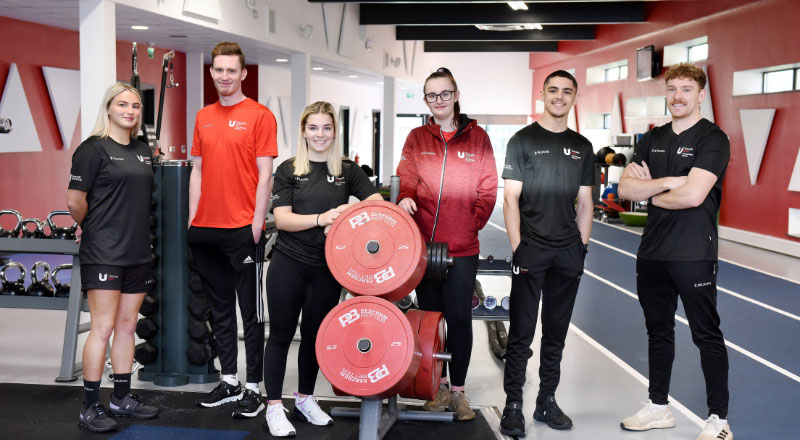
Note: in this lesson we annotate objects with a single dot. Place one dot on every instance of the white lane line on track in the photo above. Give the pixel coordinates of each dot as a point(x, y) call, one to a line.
point(682, 320)
point(673, 402)
point(728, 291)
point(754, 269)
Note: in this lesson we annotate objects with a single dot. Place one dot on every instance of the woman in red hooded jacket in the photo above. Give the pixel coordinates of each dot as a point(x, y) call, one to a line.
point(448, 183)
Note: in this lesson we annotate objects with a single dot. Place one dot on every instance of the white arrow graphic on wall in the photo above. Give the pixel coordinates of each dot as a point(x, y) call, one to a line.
point(64, 86)
point(794, 184)
point(756, 124)
point(14, 106)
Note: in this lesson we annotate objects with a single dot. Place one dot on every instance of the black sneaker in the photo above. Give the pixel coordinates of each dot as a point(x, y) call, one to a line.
point(96, 419)
point(547, 411)
point(513, 422)
point(223, 393)
point(131, 406)
point(250, 404)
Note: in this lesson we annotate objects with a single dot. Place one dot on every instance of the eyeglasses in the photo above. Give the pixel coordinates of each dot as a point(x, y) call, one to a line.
point(446, 95)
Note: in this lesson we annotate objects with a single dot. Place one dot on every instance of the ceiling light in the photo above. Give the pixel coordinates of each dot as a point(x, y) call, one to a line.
point(317, 68)
point(139, 28)
point(517, 6)
point(281, 60)
point(352, 76)
point(509, 27)
point(380, 83)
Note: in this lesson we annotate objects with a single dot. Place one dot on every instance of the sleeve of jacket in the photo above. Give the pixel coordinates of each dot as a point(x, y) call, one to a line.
point(487, 185)
point(407, 170)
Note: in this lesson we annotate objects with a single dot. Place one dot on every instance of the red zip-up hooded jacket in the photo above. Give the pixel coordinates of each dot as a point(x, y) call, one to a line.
point(458, 177)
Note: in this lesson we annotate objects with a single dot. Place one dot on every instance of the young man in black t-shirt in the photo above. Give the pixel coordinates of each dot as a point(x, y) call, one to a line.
point(547, 167)
point(679, 169)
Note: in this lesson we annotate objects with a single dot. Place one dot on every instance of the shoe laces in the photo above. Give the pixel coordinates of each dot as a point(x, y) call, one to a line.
point(713, 425)
point(648, 407)
point(459, 395)
point(272, 409)
point(100, 410)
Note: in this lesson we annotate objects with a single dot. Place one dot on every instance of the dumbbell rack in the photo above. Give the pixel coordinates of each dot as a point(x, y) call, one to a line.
point(73, 304)
point(374, 423)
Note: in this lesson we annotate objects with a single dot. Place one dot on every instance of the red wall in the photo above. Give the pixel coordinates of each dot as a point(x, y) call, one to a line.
point(750, 35)
point(36, 183)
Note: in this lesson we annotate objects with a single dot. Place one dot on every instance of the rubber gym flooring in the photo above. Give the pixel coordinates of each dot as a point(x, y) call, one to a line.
point(604, 371)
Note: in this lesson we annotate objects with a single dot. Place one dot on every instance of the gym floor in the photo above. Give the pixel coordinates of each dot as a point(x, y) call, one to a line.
point(604, 370)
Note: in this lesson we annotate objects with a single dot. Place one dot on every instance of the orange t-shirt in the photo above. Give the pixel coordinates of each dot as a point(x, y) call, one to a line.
point(447, 135)
point(229, 138)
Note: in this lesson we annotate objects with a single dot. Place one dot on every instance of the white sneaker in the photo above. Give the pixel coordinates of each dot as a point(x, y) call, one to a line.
point(716, 429)
point(651, 416)
point(276, 422)
point(306, 408)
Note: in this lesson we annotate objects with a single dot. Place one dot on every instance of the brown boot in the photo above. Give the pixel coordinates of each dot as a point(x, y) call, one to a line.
point(442, 400)
point(459, 404)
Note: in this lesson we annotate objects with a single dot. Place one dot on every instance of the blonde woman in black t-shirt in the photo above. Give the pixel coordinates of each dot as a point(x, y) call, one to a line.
point(310, 192)
point(109, 196)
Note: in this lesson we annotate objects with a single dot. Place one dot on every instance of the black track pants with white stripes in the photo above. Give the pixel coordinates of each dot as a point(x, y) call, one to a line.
point(293, 287)
point(231, 265)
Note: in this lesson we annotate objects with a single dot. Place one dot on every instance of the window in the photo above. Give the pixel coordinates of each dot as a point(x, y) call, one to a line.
point(607, 72)
point(606, 121)
point(779, 81)
point(698, 52)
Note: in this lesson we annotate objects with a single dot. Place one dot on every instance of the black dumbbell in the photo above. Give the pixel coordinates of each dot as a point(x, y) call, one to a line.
point(62, 289)
point(41, 287)
point(199, 330)
point(199, 354)
point(145, 353)
point(198, 307)
point(149, 305)
point(195, 283)
point(13, 287)
point(146, 328)
point(11, 233)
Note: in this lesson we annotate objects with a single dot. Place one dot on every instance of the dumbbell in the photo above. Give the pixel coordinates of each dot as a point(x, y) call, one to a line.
point(62, 289)
point(199, 354)
point(149, 305)
point(61, 233)
point(199, 330)
point(198, 307)
point(146, 328)
point(36, 232)
point(13, 287)
point(11, 233)
point(145, 353)
point(40, 287)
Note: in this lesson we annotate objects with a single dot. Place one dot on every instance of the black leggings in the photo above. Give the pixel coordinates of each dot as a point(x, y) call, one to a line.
point(453, 297)
point(293, 286)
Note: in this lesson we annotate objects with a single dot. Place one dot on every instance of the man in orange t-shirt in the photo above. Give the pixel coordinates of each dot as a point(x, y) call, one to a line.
point(233, 147)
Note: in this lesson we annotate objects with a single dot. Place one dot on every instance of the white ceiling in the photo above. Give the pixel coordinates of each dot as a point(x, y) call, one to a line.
point(168, 33)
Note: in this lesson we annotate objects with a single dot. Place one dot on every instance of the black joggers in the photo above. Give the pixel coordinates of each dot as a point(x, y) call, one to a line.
point(659, 284)
point(231, 265)
point(293, 287)
point(453, 297)
point(554, 276)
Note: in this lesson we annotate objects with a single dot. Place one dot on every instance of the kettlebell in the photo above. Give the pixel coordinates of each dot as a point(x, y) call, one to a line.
point(62, 290)
point(36, 232)
point(11, 233)
point(61, 233)
point(13, 287)
point(40, 287)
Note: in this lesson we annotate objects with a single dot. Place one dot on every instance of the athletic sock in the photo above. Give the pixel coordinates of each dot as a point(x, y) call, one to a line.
point(230, 379)
point(122, 385)
point(91, 391)
point(252, 386)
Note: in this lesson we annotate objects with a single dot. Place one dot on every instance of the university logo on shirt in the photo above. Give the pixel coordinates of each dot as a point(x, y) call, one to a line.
point(338, 181)
point(574, 154)
point(685, 151)
point(468, 157)
point(237, 125)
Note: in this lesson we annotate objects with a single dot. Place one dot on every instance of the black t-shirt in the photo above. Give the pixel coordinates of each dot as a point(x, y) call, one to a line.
point(118, 181)
point(315, 193)
point(552, 167)
point(684, 234)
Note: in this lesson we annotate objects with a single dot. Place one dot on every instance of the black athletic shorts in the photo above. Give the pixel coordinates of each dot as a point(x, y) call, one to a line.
point(126, 279)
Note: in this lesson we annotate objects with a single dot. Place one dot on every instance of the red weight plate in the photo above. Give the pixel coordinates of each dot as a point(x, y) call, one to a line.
point(374, 248)
point(366, 348)
point(431, 332)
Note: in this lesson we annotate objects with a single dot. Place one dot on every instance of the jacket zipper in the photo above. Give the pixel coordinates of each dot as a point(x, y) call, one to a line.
point(441, 186)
